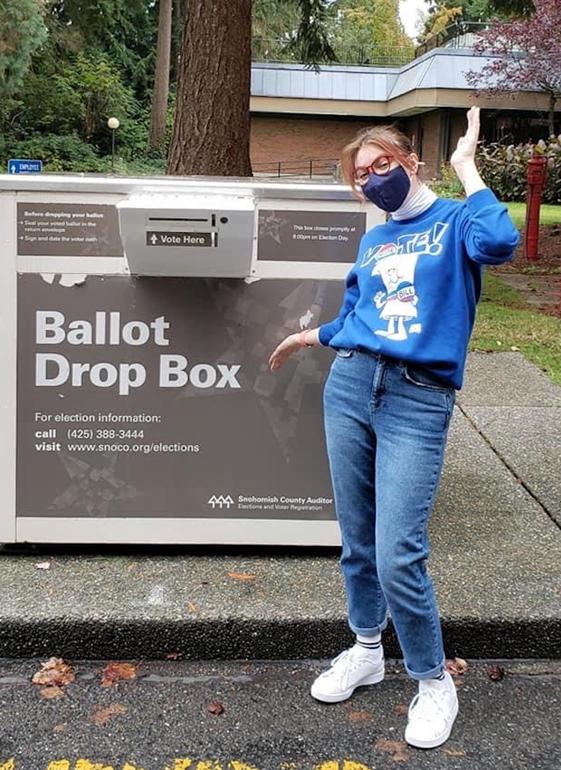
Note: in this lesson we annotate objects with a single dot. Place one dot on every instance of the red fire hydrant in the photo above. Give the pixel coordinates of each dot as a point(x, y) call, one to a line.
point(537, 170)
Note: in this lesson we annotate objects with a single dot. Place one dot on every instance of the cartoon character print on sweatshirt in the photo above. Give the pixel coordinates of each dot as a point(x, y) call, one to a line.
point(395, 263)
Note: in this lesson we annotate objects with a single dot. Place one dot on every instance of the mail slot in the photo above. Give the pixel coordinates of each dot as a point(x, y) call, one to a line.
point(188, 235)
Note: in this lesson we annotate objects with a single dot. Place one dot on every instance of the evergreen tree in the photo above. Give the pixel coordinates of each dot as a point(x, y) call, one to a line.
point(22, 31)
point(274, 29)
point(123, 30)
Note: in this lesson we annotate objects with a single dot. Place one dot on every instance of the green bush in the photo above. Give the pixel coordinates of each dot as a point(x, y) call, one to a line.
point(58, 153)
point(140, 167)
point(448, 186)
point(504, 168)
point(150, 165)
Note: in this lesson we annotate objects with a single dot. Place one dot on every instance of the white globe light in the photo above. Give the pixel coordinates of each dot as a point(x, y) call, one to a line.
point(113, 123)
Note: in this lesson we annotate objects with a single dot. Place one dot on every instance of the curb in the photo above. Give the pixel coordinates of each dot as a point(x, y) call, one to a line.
point(245, 639)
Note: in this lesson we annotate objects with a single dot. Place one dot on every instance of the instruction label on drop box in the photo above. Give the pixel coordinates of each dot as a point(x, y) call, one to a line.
point(68, 230)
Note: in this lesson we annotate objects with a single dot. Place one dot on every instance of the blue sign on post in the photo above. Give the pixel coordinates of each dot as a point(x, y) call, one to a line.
point(25, 166)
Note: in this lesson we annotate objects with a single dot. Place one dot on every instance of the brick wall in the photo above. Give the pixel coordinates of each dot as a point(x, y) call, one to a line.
point(280, 138)
point(275, 138)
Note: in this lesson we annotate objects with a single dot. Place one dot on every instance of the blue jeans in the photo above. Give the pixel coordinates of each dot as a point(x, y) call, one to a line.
point(386, 424)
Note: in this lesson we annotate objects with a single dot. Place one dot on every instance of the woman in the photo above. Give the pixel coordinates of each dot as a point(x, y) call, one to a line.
point(401, 341)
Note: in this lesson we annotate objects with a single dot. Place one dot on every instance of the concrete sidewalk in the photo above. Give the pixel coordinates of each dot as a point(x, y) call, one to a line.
point(496, 560)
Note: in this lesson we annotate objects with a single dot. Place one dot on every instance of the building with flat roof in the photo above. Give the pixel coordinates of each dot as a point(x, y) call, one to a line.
point(299, 113)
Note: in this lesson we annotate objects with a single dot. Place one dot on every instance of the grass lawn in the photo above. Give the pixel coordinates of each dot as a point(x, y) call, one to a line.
point(549, 214)
point(505, 321)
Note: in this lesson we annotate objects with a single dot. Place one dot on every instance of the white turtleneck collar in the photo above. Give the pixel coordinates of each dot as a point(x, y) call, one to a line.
point(421, 201)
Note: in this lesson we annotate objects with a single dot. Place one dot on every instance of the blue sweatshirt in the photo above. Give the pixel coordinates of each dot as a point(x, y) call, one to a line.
point(412, 292)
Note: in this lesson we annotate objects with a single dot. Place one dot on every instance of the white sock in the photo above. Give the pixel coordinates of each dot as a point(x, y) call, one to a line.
point(436, 681)
point(370, 646)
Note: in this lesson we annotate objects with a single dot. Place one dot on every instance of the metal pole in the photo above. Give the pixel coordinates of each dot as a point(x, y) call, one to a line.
point(311, 164)
point(536, 175)
point(113, 149)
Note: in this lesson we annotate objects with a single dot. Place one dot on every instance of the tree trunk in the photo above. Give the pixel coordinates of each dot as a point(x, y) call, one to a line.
point(161, 81)
point(176, 28)
point(211, 127)
point(551, 114)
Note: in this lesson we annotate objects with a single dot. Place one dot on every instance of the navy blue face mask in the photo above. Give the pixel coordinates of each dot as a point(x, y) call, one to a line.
point(388, 191)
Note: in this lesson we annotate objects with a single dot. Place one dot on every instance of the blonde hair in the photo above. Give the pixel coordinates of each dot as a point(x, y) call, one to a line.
point(388, 138)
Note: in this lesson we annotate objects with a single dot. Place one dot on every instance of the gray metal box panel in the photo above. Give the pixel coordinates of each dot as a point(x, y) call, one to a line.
point(191, 234)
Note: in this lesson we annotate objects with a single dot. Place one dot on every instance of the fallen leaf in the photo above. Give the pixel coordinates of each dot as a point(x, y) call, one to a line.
point(401, 710)
point(455, 753)
point(457, 666)
point(360, 716)
point(54, 672)
point(102, 716)
point(496, 673)
point(214, 707)
point(132, 565)
point(241, 576)
point(115, 672)
point(173, 655)
point(191, 607)
point(52, 692)
point(59, 728)
point(395, 748)
point(43, 565)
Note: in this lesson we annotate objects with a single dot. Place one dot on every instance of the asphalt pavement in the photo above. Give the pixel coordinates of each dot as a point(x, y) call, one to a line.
point(177, 715)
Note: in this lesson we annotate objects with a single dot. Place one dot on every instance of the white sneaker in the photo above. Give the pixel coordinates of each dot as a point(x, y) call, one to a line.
point(351, 669)
point(432, 713)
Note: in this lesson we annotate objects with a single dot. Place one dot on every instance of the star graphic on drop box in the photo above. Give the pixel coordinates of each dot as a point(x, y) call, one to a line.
point(270, 225)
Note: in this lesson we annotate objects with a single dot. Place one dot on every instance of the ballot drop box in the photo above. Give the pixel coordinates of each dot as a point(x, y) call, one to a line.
point(137, 317)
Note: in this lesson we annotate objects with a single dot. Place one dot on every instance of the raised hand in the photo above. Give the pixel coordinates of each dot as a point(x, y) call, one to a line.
point(467, 144)
point(463, 157)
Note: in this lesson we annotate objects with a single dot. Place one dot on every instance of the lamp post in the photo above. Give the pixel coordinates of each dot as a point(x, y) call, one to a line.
point(113, 124)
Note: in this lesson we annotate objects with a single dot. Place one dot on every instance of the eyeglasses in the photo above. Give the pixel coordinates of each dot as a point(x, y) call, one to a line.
point(380, 167)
